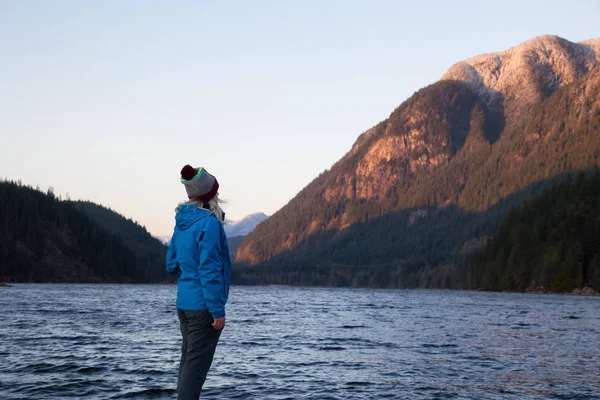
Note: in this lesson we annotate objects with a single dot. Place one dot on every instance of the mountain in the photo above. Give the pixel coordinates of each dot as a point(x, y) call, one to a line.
point(441, 172)
point(43, 239)
point(234, 242)
point(245, 225)
point(149, 251)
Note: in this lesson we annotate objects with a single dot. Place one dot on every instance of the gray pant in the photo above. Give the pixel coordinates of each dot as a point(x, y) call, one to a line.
point(197, 350)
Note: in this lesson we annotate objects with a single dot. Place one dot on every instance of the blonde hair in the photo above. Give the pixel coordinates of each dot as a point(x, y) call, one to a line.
point(214, 206)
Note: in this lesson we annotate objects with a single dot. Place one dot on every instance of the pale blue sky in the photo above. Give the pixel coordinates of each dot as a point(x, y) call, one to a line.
point(107, 100)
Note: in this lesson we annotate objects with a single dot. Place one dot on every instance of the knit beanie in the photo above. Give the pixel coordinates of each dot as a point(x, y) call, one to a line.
point(199, 184)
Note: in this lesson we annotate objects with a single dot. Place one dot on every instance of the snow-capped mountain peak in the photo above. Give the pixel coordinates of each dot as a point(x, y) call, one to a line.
point(233, 228)
point(245, 225)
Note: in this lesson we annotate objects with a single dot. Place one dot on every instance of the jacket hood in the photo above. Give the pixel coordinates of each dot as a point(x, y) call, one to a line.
point(188, 214)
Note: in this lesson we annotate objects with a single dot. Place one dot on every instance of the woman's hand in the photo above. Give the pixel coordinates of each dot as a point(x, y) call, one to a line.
point(218, 323)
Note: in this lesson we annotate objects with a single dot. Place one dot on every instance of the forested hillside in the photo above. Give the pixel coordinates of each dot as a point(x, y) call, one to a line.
point(550, 244)
point(44, 239)
point(148, 250)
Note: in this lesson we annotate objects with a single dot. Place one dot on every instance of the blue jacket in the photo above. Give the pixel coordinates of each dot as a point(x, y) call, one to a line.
point(198, 256)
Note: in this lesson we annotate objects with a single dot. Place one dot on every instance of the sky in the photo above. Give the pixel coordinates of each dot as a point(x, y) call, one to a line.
point(107, 100)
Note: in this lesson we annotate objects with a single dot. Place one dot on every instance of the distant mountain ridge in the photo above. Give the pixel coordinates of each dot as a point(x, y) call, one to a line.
point(245, 225)
point(236, 231)
point(232, 229)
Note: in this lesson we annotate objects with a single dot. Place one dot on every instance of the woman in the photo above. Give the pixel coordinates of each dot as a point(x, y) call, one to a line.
point(198, 256)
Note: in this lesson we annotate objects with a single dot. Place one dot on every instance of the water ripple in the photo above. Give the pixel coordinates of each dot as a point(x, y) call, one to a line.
point(122, 342)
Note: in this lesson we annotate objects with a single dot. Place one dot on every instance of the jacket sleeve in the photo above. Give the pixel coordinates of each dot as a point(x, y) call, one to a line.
point(171, 260)
point(211, 268)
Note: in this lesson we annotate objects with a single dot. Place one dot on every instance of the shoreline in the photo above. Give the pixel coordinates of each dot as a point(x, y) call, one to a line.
point(585, 291)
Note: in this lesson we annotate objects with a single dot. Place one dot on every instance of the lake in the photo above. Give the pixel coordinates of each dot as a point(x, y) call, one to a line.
point(122, 341)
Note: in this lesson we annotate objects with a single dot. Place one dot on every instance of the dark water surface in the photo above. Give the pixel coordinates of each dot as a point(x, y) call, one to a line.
point(122, 341)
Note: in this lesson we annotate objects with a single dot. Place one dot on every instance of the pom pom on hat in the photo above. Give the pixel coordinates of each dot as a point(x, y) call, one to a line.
point(188, 172)
point(199, 184)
